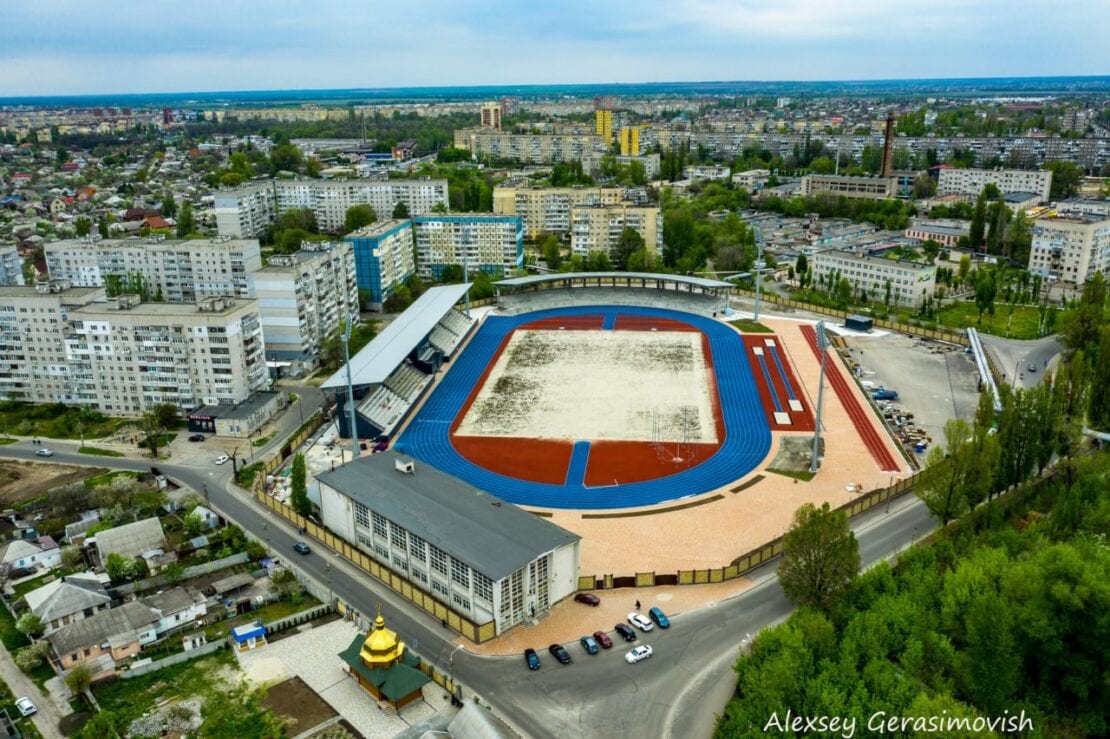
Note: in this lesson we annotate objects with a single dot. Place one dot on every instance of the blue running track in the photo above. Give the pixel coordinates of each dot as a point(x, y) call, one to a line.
point(747, 434)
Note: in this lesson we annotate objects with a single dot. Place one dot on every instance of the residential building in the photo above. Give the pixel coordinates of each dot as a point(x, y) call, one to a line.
point(547, 209)
point(489, 242)
point(599, 227)
point(303, 297)
point(483, 558)
point(530, 148)
point(20, 554)
point(68, 600)
point(171, 270)
point(131, 539)
point(752, 179)
point(176, 608)
point(11, 265)
point(603, 123)
point(707, 172)
point(946, 233)
point(630, 141)
point(1084, 206)
point(491, 116)
point(972, 181)
point(120, 632)
point(384, 258)
point(876, 188)
point(240, 421)
point(1070, 248)
point(246, 212)
point(910, 282)
point(125, 357)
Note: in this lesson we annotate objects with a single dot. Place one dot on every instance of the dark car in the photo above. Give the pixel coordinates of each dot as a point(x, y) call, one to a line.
point(559, 653)
point(625, 631)
point(659, 618)
point(531, 659)
point(588, 598)
point(603, 639)
point(301, 548)
point(589, 644)
point(197, 437)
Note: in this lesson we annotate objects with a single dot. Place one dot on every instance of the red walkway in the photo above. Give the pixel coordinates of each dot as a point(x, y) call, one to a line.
point(856, 412)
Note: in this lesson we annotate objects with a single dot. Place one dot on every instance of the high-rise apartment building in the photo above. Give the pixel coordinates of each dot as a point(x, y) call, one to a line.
point(955, 181)
point(630, 141)
point(547, 209)
point(491, 115)
point(245, 212)
point(169, 270)
point(11, 265)
point(491, 243)
point(603, 124)
point(599, 227)
point(304, 297)
point(530, 148)
point(1071, 248)
point(384, 258)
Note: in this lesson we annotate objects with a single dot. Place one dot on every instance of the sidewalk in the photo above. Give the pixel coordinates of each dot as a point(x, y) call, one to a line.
point(47, 718)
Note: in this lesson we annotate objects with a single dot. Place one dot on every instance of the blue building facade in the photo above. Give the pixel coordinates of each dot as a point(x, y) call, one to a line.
point(383, 258)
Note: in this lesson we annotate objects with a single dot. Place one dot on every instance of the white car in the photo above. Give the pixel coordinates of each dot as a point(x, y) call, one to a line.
point(222, 459)
point(45, 452)
point(25, 706)
point(637, 654)
point(640, 622)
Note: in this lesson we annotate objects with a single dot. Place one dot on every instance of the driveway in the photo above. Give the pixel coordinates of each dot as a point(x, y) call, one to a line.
point(48, 716)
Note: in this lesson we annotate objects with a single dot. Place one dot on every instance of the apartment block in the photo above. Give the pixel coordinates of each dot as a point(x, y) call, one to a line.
point(384, 258)
point(11, 265)
point(955, 181)
point(591, 162)
point(302, 298)
point(529, 148)
point(603, 124)
point(491, 243)
point(246, 212)
point(910, 282)
point(547, 209)
point(491, 115)
point(1071, 248)
point(875, 188)
point(172, 270)
point(630, 141)
point(599, 227)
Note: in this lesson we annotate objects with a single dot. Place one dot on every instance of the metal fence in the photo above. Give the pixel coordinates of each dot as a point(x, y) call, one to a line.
point(174, 660)
point(297, 619)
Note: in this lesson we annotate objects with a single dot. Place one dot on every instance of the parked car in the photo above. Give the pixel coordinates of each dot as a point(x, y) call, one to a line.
point(637, 654)
point(1032, 367)
point(659, 617)
point(640, 622)
point(45, 452)
point(589, 644)
point(588, 598)
point(25, 706)
point(531, 659)
point(559, 653)
point(625, 631)
point(222, 459)
point(197, 437)
point(603, 639)
point(301, 548)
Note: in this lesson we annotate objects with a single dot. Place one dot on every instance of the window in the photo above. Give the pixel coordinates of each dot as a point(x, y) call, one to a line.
point(461, 601)
point(440, 588)
point(483, 587)
point(418, 548)
point(460, 573)
point(380, 526)
point(382, 552)
point(397, 536)
point(362, 515)
point(420, 576)
point(439, 560)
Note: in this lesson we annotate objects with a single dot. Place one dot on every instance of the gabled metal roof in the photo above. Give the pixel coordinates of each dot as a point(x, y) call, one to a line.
point(555, 276)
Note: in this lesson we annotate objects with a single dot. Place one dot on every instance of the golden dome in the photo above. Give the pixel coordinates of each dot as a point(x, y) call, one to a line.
point(382, 647)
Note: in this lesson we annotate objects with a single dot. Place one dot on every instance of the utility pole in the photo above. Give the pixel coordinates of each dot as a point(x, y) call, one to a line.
point(758, 270)
point(350, 387)
point(822, 344)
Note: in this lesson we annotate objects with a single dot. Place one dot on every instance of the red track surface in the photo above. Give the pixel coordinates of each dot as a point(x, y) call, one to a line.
point(624, 462)
point(570, 323)
point(647, 323)
point(535, 460)
point(799, 420)
point(879, 451)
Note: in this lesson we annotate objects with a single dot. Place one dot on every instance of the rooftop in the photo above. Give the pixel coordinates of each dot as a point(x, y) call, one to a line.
point(558, 276)
point(379, 228)
point(242, 411)
point(117, 625)
point(69, 595)
point(491, 536)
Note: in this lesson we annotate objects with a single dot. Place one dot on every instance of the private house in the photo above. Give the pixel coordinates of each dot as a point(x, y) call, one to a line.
point(30, 554)
point(67, 601)
point(177, 608)
point(208, 519)
point(120, 632)
point(131, 539)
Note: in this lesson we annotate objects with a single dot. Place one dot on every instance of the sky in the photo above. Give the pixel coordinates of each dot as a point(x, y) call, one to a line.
point(64, 47)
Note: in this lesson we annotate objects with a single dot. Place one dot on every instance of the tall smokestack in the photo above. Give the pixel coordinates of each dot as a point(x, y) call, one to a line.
point(888, 147)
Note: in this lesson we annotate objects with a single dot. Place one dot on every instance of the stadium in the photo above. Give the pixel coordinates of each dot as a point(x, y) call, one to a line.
point(623, 407)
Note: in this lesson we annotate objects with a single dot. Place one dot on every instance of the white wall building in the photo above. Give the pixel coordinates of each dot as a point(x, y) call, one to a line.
point(11, 265)
point(955, 181)
point(484, 559)
point(485, 241)
point(1070, 249)
point(910, 282)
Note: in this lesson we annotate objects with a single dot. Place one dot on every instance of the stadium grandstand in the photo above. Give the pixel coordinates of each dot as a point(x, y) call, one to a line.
point(556, 290)
point(397, 367)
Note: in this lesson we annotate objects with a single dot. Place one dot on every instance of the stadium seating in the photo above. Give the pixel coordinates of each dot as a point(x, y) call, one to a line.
point(450, 331)
point(407, 382)
point(383, 408)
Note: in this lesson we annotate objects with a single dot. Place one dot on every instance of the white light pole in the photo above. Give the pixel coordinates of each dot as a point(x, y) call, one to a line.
point(350, 386)
point(758, 269)
point(822, 344)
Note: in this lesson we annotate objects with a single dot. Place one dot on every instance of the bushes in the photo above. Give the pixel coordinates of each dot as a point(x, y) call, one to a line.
point(56, 421)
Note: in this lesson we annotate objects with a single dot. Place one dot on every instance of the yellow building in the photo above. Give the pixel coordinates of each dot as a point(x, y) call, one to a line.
point(383, 668)
point(630, 141)
point(603, 124)
point(599, 227)
point(548, 208)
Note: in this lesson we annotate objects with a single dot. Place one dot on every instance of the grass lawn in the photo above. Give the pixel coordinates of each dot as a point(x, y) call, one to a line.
point(7, 440)
point(750, 327)
point(27, 586)
point(98, 452)
point(130, 699)
point(163, 441)
point(266, 614)
point(12, 638)
point(54, 421)
point(803, 475)
point(263, 441)
point(964, 314)
point(248, 473)
point(105, 478)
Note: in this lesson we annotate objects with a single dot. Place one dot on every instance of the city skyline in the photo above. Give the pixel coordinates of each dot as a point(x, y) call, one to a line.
point(68, 48)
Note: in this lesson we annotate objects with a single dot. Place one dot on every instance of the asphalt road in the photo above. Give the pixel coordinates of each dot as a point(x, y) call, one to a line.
point(675, 693)
point(1014, 355)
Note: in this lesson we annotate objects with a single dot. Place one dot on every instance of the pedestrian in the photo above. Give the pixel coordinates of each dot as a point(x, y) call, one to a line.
point(637, 605)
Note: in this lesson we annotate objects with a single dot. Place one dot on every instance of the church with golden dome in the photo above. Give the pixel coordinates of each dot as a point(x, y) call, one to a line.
point(382, 666)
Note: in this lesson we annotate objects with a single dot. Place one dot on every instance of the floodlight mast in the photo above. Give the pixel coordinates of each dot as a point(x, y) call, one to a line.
point(822, 345)
point(350, 385)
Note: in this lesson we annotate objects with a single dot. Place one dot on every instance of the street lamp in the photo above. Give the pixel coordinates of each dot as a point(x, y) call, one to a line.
point(350, 386)
point(327, 569)
point(822, 344)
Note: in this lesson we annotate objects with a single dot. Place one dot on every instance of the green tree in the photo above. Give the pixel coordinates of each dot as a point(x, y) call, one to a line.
point(400, 210)
point(286, 158)
point(986, 289)
point(255, 550)
point(979, 221)
point(118, 567)
point(193, 524)
point(1099, 411)
point(152, 428)
point(79, 678)
point(924, 186)
point(169, 205)
point(103, 725)
point(959, 476)
point(29, 624)
point(820, 557)
point(30, 657)
point(1082, 324)
point(628, 243)
point(358, 216)
point(548, 246)
point(299, 487)
point(185, 221)
point(1066, 176)
point(83, 226)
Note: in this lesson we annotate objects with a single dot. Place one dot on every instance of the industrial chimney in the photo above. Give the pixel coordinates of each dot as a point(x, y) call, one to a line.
point(888, 147)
